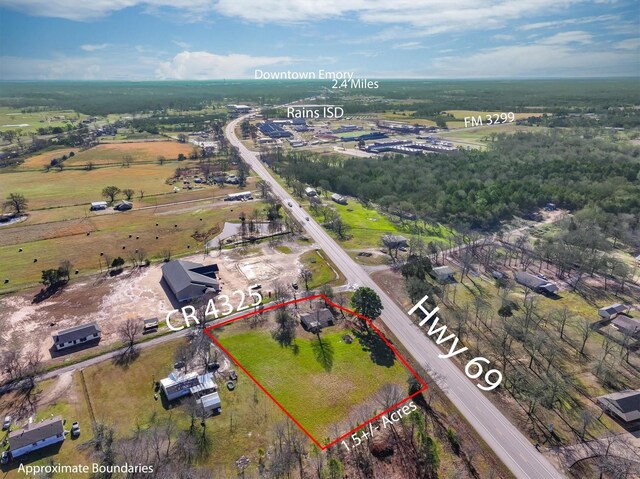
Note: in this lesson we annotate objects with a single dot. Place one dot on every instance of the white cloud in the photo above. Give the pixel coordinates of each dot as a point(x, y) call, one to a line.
point(628, 44)
point(537, 60)
point(408, 46)
point(569, 21)
point(184, 45)
point(88, 47)
point(204, 65)
point(564, 38)
point(501, 37)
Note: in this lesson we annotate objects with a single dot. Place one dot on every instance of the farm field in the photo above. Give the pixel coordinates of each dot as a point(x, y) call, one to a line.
point(112, 153)
point(322, 270)
point(477, 136)
point(81, 241)
point(460, 114)
point(320, 385)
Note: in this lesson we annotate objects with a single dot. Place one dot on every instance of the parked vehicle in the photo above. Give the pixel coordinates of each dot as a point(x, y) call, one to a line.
point(75, 429)
point(5, 457)
point(7, 423)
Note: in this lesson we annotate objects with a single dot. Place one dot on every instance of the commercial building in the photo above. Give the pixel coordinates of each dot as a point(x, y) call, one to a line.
point(35, 436)
point(189, 280)
point(273, 130)
point(77, 335)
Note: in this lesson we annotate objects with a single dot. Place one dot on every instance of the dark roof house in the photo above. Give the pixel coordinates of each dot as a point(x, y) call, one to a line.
point(609, 312)
point(627, 326)
point(539, 285)
point(190, 280)
point(320, 318)
point(76, 335)
point(442, 273)
point(624, 405)
point(36, 436)
point(395, 241)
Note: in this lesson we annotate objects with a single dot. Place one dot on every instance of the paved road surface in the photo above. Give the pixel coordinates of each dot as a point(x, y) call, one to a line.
point(517, 453)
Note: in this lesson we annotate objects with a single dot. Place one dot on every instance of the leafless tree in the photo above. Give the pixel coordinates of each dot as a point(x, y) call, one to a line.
point(128, 333)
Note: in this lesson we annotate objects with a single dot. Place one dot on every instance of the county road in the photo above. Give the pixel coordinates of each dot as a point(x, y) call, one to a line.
point(515, 451)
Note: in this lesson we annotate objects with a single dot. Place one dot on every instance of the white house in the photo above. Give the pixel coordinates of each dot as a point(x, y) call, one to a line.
point(35, 436)
point(177, 385)
point(74, 336)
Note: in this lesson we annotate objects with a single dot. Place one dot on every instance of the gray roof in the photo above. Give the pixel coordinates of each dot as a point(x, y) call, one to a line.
point(210, 401)
point(178, 382)
point(394, 240)
point(77, 332)
point(320, 317)
point(35, 432)
point(180, 275)
point(613, 309)
point(533, 282)
point(627, 325)
point(442, 271)
point(624, 404)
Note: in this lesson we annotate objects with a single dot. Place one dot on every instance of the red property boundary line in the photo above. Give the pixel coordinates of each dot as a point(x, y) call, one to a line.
point(371, 325)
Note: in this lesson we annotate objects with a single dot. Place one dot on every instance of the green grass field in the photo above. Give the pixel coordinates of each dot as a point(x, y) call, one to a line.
point(28, 123)
point(321, 269)
point(319, 391)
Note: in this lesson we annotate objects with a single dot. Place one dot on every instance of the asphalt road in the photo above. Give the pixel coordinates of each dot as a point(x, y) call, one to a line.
point(515, 451)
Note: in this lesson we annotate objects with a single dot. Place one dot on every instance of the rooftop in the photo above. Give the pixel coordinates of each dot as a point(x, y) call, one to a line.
point(35, 432)
point(76, 332)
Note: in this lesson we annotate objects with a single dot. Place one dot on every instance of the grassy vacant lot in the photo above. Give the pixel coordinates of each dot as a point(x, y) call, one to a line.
point(113, 153)
point(478, 136)
point(319, 385)
point(323, 271)
point(27, 123)
point(367, 227)
point(460, 114)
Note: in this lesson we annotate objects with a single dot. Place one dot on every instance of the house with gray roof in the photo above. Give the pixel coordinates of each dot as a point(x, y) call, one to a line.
point(443, 274)
point(622, 405)
point(210, 404)
point(318, 319)
point(77, 335)
point(610, 312)
point(35, 435)
point(189, 280)
point(627, 326)
point(395, 241)
point(537, 284)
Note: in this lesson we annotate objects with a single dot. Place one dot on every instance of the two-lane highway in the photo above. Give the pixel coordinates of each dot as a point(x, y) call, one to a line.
point(517, 453)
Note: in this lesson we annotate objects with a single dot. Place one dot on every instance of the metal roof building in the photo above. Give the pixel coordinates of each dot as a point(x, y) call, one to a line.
point(190, 280)
point(76, 335)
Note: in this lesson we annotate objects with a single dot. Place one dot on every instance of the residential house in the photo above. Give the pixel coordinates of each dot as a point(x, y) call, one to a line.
point(190, 280)
point(539, 285)
point(627, 326)
point(318, 319)
point(341, 200)
point(622, 405)
point(610, 312)
point(310, 191)
point(35, 436)
point(78, 335)
point(178, 384)
point(442, 274)
point(395, 241)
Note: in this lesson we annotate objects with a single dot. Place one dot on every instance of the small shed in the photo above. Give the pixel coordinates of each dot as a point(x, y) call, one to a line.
point(395, 241)
point(150, 324)
point(210, 404)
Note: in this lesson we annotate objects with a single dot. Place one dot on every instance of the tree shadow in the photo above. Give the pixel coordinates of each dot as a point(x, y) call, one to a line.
point(380, 353)
point(127, 357)
point(323, 351)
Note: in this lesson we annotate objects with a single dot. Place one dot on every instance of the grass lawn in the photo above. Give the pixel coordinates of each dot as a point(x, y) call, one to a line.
point(28, 123)
point(319, 386)
point(461, 114)
point(321, 269)
point(71, 406)
point(245, 425)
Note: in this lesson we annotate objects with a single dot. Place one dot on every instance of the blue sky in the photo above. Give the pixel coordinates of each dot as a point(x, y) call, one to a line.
point(211, 39)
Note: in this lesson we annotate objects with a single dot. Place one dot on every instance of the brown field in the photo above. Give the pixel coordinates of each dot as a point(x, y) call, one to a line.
point(112, 153)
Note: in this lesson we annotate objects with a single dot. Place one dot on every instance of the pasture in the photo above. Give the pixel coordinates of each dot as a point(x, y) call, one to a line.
point(320, 382)
point(12, 118)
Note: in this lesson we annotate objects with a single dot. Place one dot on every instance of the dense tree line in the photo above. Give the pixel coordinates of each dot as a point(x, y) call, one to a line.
point(516, 174)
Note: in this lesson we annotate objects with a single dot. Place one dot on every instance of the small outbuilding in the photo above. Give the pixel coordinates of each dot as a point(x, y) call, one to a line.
point(78, 335)
point(210, 404)
point(123, 206)
point(442, 274)
point(98, 205)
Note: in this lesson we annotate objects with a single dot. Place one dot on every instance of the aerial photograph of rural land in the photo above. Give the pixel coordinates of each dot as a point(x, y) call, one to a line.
point(287, 239)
